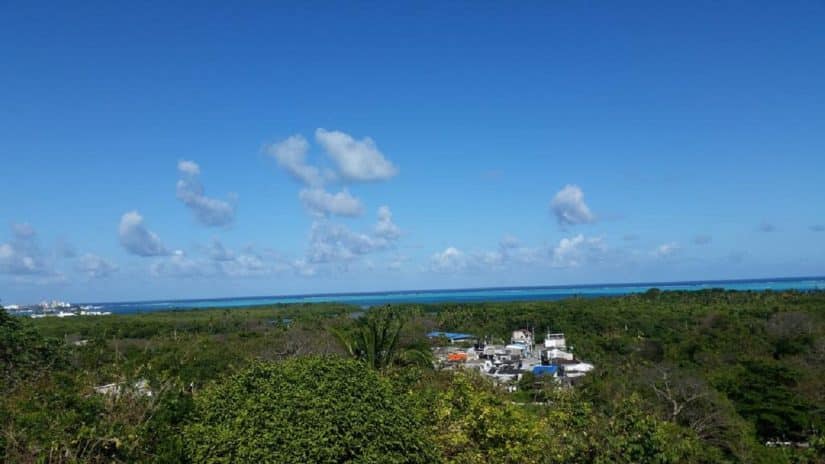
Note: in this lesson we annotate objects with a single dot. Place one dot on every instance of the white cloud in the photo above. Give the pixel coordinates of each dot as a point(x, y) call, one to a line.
point(330, 243)
point(208, 211)
point(397, 263)
point(137, 239)
point(570, 252)
point(385, 228)
point(291, 156)
point(666, 249)
point(569, 207)
point(323, 203)
point(251, 263)
point(23, 256)
point(246, 265)
point(357, 160)
point(304, 268)
point(450, 260)
point(189, 168)
point(180, 265)
point(574, 251)
point(217, 252)
point(94, 266)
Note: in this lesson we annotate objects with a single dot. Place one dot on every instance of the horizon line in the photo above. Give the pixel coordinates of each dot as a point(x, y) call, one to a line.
point(466, 289)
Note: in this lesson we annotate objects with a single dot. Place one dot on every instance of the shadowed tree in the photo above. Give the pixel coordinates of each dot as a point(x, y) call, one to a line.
point(376, 340)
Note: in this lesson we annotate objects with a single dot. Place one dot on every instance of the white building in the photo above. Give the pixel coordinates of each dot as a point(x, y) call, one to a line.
point(555, 340)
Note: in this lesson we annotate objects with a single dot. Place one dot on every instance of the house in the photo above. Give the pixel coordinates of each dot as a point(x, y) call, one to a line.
point(555, 340)
point(577, 370)
point(522, 336)
point(551, 370)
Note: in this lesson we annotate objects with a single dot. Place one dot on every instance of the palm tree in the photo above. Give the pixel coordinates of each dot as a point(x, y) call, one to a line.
point(375, 340)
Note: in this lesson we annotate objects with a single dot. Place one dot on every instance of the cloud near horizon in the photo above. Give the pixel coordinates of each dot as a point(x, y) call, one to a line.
point(94, 266)
point(666, 249)
point(568, 253)
point(23, 255)
point(575, 251)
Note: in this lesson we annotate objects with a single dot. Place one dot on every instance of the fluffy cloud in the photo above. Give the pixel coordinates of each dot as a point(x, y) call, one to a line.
point(385, 228)
point(208, 211)
point(249, 264)
point(357, 160)
point(702, 239)
point(22, 255)
point(180, 265)
point(189, 168)
point(573, 251)
point(666, 249)
point(352, 161)
point(323, 203)
point(291, 156)
point(569, 207)
point(450, 260)
point(137, 239)
point(330, 242)
point(94, 266)
point(570, 252)
point(222, 261)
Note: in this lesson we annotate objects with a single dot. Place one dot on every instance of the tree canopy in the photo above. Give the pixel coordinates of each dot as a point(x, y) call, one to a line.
point(315, 409)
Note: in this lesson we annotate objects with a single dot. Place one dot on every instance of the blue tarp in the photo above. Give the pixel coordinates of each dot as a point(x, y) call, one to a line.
point(453, 336)
point(545, 370)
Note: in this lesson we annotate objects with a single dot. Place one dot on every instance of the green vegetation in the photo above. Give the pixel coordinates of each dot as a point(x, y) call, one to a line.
point(681, 377)
point(314, 409)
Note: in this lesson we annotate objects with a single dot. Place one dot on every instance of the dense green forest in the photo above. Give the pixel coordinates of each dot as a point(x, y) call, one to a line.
point(709, 376)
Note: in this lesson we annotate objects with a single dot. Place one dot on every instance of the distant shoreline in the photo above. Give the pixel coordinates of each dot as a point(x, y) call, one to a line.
point(477, 294)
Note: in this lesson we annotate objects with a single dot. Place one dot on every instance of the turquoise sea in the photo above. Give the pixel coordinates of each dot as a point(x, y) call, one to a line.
point(469, 294)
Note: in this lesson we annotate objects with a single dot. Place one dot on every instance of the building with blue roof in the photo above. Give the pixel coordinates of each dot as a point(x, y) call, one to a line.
point(551, 370)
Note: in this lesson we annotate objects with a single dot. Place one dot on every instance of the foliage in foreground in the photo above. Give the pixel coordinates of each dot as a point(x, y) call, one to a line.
point(316, 409)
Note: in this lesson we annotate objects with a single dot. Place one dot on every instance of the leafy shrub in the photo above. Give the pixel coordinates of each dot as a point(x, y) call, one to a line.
point(315, 409)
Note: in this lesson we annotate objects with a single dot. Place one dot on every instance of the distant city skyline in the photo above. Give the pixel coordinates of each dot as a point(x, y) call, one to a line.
point(171, 152)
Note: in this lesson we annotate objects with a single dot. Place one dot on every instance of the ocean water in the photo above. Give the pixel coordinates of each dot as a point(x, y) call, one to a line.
point(548, 293)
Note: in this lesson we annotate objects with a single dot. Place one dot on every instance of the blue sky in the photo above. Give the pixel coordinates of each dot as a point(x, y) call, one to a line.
point(203, 150)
